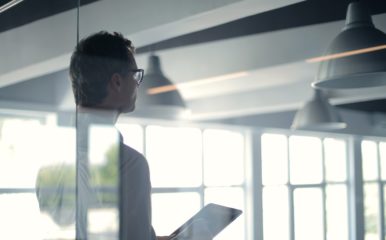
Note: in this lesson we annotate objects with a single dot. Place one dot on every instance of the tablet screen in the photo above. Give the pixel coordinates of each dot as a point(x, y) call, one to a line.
point(207, 223)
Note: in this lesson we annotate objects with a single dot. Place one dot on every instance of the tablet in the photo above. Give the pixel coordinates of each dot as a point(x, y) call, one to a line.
point(207, 223)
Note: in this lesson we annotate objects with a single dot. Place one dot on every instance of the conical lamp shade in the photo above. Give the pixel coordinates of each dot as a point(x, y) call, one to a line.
point(157, 95)
point(318, 114)
point(356, 58)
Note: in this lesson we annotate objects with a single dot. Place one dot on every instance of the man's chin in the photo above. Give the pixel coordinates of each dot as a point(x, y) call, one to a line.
point(127, 109)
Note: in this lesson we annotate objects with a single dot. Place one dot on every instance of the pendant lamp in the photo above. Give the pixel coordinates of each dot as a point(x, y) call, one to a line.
point(356, 58)
point(318, 114)
point(157, 95)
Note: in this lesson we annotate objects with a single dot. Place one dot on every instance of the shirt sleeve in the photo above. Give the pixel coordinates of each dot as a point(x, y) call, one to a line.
point(135, 200)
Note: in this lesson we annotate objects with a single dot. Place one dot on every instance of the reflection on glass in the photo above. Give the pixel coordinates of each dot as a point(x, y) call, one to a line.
point(103, 167)
point(382, 153)
point(20, 217)
point(275, 213)
point(101, 140)
point(132, 135)
point(369, 160)
point(274, 159)
point(230, 197)
point(335, 159)
point(305, 160)
point(337, 215)
point(55, 183)
point(177, 208)
point(223, 158)
point(20, 141)
point(308, 214)
point(175, 156)
point(42, 159)
point(103, 223)
point(371, 196)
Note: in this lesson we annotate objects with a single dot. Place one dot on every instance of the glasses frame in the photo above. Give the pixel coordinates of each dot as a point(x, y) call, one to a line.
point(135, 71)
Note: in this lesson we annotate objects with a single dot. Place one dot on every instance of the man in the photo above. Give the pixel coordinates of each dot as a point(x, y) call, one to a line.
point(105, 78)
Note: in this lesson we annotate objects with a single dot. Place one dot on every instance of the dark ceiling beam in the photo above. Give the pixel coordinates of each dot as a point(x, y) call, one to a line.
point(32, 10)
point(297, 15)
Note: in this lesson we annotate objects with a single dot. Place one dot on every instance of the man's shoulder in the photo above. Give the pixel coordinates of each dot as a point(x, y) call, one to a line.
point(131, 151)
point(131, 155)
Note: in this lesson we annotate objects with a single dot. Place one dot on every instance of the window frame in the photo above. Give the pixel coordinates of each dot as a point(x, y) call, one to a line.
point(292, 187)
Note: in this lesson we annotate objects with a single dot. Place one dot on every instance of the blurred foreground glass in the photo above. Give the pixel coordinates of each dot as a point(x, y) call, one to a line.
point(33, 153)
point(103, 156)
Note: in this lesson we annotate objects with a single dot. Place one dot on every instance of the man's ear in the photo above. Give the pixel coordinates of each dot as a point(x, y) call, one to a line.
point(115, 82)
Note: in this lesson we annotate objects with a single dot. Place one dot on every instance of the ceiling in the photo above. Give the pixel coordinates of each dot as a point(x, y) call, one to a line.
point(229, 58)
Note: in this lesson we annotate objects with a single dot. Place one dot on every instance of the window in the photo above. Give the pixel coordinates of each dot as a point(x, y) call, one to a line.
point(304, 187)
point(28, 147)
point(373, 170)
point(191, 167)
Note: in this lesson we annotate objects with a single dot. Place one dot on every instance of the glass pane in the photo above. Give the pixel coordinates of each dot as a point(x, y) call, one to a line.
point(223, 158)
point(371, 195)
point(335, 157)
point(275, 204)
point(305, 160)
point(337, 215)
point(231, 197)
point(55, 183)
point(102, 139)
point(308, 212)
point(132, 135)
point(20, 141)
point(103, 167)
point(103, 223)
point(384, 205)
point(369, 160)
point(175, 156)
point(20, 217)
point(382, 153)
point(44, 159)
point(177, 208)
point(274, 159)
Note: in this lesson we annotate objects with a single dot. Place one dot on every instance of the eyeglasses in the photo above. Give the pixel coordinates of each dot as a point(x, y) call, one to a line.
point(138, 75)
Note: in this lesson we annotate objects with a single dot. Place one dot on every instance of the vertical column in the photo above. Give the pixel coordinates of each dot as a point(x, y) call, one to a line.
point(291, 188)
point(356, 206)
point(381, 205)
point(254, 188)
point(82, 182)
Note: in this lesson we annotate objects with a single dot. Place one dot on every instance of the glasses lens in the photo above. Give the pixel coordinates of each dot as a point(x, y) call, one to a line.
point(138, 76)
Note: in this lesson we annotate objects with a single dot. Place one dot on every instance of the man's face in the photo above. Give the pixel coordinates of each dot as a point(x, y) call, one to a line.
point(128, 94)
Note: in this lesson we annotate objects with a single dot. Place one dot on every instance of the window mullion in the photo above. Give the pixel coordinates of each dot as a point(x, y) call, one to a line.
point(202, 186)
point(257, 186)
point(356, 198)
point(381, 196)
point(324, 184)
point(291, 213)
